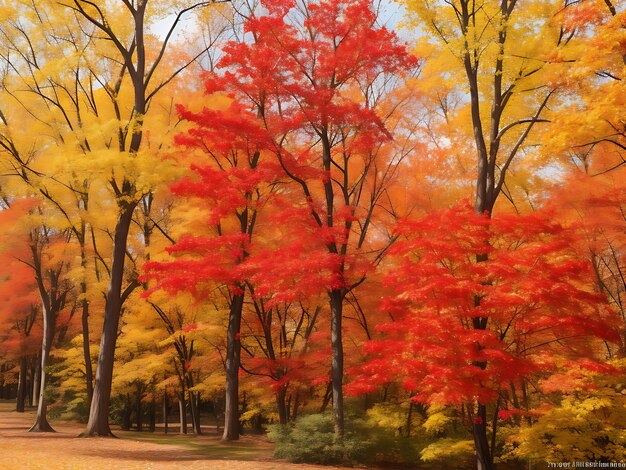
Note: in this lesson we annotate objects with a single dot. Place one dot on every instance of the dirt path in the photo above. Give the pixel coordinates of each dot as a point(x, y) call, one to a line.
point(21, 450)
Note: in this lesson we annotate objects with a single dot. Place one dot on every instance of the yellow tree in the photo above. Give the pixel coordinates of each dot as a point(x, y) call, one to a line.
point(505, 88)
point(96, 77)
point(125, 27)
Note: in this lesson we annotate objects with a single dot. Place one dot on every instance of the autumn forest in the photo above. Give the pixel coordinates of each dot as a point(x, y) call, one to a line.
point(368, 232)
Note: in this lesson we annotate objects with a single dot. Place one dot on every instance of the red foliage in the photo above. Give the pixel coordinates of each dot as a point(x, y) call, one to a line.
point(301, 72)
point(463, 329)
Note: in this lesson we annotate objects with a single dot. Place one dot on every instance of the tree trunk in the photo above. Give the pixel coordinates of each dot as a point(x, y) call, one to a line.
point(98, 424)
point(328, 394)
point(86, 348)
point(41, 421)
point(36, 382)
point(281, 405)
point(21, 386)
point(479, 429)
point(257, 424)
point(138, 409)
point(2, 386)
point(192, 411)
point(152, 416)
point(182, 412)
point(194, 398)
point(128, 411)
point(336, 373)
point(233, 352)
point(166, 410)
point(296, 406)
point(218, 409)
point(409, 419)
point(31, 382)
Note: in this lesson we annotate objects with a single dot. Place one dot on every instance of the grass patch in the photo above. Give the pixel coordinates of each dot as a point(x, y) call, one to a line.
point(208, 445)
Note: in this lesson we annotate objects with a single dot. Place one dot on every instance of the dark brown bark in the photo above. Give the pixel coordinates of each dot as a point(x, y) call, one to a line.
point(98, 424)
point(127, 413)
point(21, 386)
point(233, 357)
point(218, 410)
point(139, 408)
point(166, 411)
point(479, 430)
point(86, 346)
point(32, 370)
point(328, 394)
point(296, 407)
point(152, 415)
point(194, 400)
point(494, 427)
point(282, 405)
point(336, 372)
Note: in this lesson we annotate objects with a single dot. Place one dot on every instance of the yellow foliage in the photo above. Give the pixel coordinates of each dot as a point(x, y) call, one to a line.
point(437, 420)
point(448, 449)
point(388, 415)
point(585, 425)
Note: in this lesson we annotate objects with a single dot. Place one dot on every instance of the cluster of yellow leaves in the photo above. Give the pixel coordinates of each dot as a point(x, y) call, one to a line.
point(583, 425)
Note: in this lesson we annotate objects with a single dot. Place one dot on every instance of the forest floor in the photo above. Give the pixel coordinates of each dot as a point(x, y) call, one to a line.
point(20, 450)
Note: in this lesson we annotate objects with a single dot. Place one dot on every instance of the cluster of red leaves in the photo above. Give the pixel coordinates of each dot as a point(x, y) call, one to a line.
point(462, 329)
point(302, 72)
point(297, 82)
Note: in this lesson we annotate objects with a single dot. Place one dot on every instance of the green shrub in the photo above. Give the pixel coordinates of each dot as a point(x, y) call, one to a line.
point(311, 439)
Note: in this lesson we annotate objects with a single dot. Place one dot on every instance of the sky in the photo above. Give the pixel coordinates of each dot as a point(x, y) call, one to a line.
point(391, 15)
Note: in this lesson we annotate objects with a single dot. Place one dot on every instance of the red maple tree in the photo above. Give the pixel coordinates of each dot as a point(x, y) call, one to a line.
point(307, 90)
point(530, 293)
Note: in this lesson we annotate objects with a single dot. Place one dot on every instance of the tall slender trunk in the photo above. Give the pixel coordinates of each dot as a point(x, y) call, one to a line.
point(21, 386)
point(328, 394)
point(166, 410)
point(233, 353)
point(98, 424)
point(138, 408)
point(182, 412)
point(36, 381)
point(128, 411)
point(152, 415)
point(194, 399)
point(32, 370)
point(281, 405)
point(193, 412)
point(296, 405)
point(219, 413)
point(86, 347)
point(41, 421)
point(336, 373)
point(479, 430)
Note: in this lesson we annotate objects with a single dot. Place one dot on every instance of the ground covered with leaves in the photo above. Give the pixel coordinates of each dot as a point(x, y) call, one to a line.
point(64, 450)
